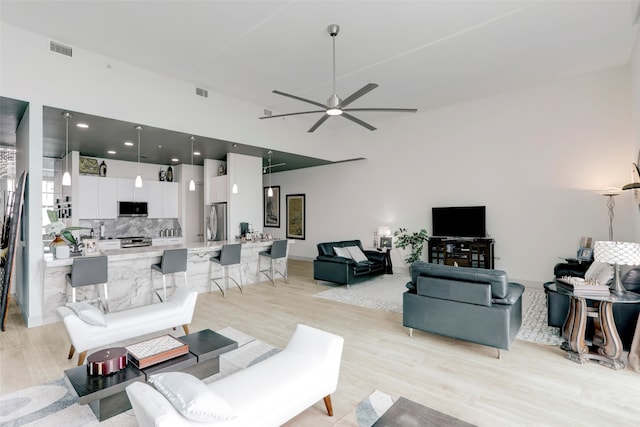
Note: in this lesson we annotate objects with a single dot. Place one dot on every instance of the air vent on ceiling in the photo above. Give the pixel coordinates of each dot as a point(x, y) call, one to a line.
point(60, 48)
point(202, 92)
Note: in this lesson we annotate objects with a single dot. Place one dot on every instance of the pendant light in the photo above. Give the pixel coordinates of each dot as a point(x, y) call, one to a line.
point(234, 188)
point(66, 178)
point(138, 183)
point(192, 183)
point(270, 191)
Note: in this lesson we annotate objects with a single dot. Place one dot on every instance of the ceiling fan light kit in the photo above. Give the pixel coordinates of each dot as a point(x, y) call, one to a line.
point(335, 106)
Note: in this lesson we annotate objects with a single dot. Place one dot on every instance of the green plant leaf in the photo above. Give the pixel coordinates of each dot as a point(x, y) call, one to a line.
point(53, 215)
point(68, 236)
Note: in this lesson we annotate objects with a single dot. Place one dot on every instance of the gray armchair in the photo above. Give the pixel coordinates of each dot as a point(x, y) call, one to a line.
point(471, 304)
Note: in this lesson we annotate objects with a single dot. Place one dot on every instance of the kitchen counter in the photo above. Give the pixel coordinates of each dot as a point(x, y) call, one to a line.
point(130, 274)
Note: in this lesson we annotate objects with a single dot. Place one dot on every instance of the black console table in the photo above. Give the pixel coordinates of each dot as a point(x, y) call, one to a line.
point(462, 252)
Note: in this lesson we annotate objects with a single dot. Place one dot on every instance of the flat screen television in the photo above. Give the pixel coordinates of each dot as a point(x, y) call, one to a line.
point(459, 221)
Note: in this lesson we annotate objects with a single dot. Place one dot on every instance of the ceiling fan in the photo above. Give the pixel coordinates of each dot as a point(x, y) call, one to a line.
point(335, 106)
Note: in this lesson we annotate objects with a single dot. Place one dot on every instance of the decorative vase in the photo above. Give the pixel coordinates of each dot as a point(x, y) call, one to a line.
point(58, 241)
point(103, 169)
point(170, 174)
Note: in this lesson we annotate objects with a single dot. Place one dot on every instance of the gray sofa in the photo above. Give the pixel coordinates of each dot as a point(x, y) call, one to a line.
point(471, 304)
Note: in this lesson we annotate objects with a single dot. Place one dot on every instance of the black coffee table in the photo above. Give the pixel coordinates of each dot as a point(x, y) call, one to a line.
point(207, 346)
point(106, 395)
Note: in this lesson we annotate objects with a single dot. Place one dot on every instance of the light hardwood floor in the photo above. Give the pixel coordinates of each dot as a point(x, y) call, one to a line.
point(532, 385)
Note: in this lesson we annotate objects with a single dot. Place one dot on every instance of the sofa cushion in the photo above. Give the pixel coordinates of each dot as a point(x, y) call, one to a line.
point(455, 290)
point(496, 278)
point(88, 313)
point(327, 248)
point(357, 254)
point(191, 397)
point(343, 252)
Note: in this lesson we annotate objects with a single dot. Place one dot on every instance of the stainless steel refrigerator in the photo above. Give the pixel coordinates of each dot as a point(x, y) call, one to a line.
point(217, 222)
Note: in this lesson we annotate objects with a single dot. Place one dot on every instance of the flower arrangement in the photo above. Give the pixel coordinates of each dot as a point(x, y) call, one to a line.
point(58, 227)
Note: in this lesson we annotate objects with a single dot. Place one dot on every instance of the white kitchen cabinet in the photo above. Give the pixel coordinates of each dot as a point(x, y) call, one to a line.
point(97, 198)
point(166, 241)
point(127, 191)
point(170, 200)
point(105, 245)
point(219, 188)
point(162, 199)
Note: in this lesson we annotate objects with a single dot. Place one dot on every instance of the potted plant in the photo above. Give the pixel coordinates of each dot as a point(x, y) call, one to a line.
point(414, 240)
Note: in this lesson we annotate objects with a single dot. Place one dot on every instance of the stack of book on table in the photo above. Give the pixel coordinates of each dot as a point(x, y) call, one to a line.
point(581, 287)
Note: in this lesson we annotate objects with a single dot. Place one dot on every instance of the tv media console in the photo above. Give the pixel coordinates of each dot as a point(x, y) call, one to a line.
point(461, 252)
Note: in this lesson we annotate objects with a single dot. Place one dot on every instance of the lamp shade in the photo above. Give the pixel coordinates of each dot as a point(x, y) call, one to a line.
point(383, 231)
point(619, 253)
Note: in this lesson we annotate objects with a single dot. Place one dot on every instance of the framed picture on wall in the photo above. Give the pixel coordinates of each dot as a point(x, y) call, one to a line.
point(295, 216)
point(272, 207)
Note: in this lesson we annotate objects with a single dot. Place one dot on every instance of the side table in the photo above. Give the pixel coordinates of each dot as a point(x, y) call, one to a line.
point(606, 340)
point(388, 267)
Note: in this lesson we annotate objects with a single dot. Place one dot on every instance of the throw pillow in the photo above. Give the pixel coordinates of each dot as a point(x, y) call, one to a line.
point(191, 397)
point(601, 272)
point(90, 314)
point(343, 252)
point(357, 254)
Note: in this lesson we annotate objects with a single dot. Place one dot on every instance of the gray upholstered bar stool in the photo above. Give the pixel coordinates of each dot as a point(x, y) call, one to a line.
point(278, 250)
point(173, 261)
point(90, 271)
point(229, 255)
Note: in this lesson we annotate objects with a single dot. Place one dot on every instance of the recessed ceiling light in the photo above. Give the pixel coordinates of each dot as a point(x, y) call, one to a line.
point(128, 143)
point(111, 152)
point(175, 160)
point(196, 153)
point(82, 125)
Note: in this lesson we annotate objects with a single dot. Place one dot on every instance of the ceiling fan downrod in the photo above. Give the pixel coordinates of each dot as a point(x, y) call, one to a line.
point(334, 100)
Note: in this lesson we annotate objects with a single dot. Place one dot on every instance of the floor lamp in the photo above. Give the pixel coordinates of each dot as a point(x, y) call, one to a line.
point(610, 193)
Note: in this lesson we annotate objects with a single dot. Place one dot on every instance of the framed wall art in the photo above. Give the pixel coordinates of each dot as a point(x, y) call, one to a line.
point(296, 216)
point(271, 207)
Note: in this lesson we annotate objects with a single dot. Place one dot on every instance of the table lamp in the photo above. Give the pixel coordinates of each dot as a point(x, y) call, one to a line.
point(383, 231)
point(617, 254)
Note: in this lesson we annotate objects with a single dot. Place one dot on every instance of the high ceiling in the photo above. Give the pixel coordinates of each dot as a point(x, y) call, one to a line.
point(423, 54)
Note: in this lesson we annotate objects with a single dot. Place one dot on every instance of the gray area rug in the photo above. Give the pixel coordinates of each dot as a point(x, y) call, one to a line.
point(54, 404)
point(385, 293)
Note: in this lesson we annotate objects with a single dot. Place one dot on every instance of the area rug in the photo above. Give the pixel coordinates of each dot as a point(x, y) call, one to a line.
point(369, 413)
point(53, 403)
point(385, 293)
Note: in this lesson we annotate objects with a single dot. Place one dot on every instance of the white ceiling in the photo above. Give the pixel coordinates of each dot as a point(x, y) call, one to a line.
point(423, 54)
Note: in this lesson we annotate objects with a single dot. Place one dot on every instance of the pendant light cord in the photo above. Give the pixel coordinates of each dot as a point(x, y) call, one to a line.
point(66, 168)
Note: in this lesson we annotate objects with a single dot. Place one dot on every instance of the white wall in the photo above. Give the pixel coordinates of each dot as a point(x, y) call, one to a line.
point(635, 108)
point(533, 157)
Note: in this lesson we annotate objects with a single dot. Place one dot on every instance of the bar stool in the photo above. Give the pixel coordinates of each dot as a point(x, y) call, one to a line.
point(90, 271)
point(173, 261)
point(278, 250)
point(229, 255)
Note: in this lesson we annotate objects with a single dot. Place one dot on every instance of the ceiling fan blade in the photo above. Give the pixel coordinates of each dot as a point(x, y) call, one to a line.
point(389, 110)
point(357, 94)
point(277, 92)
point(358, 121)
point(318, 123)
point(292, 114)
